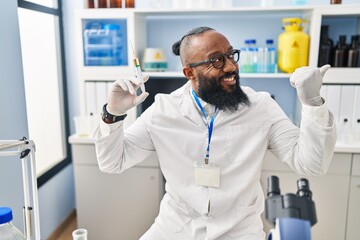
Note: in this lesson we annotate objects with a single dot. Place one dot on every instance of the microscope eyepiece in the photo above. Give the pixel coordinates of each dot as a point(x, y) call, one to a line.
point(303, 188)
point(273, 186)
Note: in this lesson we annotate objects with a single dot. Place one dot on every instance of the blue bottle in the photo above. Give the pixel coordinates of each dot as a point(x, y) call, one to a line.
point(7, 230)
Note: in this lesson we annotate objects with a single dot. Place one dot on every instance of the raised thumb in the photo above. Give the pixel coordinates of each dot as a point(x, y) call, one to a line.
point(324, 69)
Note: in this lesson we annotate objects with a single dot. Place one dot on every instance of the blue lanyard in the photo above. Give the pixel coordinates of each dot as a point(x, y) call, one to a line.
point(209, 125)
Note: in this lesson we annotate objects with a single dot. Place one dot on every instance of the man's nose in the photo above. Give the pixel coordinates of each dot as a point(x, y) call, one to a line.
point(229, 66)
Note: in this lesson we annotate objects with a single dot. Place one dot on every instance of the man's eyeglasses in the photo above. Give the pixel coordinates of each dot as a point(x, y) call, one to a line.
point(218, 61)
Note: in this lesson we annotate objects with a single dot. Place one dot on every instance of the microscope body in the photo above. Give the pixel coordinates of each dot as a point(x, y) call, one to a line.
point(291, 214)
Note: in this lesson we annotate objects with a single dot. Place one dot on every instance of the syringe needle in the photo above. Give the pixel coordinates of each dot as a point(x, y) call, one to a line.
point(137, 67)
point(132, 47)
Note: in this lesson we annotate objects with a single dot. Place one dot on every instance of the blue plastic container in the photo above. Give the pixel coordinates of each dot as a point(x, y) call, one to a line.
point(105, 44)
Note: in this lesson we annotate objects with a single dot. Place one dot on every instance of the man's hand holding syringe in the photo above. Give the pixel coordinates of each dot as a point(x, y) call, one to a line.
point(122, 95)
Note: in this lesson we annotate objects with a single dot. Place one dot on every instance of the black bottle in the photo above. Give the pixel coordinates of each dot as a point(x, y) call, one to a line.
point(358, 57)
point(325, 47)
point(340, 52)
point(354, 51)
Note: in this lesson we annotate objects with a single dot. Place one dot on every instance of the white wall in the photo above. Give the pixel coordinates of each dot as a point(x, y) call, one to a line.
point(56, 197)
point(69, 11)
point(13, 124)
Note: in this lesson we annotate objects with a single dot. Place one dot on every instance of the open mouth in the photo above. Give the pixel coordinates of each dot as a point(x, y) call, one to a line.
point(229, 79)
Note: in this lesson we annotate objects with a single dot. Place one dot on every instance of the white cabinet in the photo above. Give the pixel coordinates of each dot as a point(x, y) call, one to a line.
point(353, 220)
point(115, 206)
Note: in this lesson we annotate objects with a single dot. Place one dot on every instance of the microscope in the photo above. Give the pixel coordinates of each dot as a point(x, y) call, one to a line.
point(291, 214)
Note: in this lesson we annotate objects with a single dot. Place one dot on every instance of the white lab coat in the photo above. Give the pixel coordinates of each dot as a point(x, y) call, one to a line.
point(175, 128)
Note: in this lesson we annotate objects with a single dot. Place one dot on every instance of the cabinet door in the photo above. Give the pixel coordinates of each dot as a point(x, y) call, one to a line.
point(117, 206)
point(353, 229)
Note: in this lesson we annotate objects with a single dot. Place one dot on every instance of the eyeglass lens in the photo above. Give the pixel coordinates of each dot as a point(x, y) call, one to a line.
point(219, 61)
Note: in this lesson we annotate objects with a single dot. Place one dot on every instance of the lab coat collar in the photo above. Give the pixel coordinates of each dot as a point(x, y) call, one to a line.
point(188, 107)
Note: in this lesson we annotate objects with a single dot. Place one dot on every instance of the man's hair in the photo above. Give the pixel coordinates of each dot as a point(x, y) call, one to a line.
point(196, 31)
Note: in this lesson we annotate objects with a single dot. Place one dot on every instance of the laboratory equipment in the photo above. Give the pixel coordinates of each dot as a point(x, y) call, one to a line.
point(325, 48)
point(155, 60)
point(266, 58)
point(292, 214)
point(105, 43)
point(80, 234)
point(299, 2)
point(340, 52)
point(293, 46)
point(335, 1)
point(129, 3)
point(266, 3)
point(137, 68)
point(271, 65)
point(248, 61)
point(354, 51)
point(7, 230)
point(25, 149)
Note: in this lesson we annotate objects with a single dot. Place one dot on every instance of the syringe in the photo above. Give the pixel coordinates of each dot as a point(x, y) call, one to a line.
point(137, 68)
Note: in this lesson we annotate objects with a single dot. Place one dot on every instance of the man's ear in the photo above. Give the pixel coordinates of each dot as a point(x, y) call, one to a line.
point(189, 73)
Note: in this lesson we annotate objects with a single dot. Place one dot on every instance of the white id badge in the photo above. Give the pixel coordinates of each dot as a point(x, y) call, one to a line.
point(207, 175)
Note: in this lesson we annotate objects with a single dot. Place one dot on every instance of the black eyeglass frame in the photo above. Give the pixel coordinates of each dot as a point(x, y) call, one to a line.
point(216, 57)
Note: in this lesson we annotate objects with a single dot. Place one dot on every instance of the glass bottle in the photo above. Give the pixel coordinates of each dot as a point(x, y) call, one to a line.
point(7, 230)
point(358, 57)
point(325, 48)
point(115, 3)
point(246, 57)
point(262, 61)
point(102, 4)
point(254, 55)
point(340, 52)
point(90, 4)
point(270, 56)
point(353, 55)
point(129, 3)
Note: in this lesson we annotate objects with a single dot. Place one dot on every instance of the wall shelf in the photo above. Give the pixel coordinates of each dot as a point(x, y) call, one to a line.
point(342, 76)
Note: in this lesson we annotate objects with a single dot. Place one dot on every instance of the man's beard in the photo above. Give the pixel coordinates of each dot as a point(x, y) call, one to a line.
point(212, 92)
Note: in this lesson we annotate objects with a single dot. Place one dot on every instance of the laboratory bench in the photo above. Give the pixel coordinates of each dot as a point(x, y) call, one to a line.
point(128, 203)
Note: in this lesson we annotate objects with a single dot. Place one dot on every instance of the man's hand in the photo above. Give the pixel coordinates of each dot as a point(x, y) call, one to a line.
point(308, 81)
point(122, 96)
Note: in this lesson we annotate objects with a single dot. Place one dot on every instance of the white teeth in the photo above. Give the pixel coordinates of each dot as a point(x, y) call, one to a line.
point(229, 79)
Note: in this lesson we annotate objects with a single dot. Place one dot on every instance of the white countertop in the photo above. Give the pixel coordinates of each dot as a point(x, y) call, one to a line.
point(347, 148)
